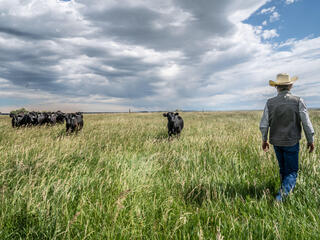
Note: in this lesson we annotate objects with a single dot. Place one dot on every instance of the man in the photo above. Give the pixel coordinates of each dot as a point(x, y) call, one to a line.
point(284, 114)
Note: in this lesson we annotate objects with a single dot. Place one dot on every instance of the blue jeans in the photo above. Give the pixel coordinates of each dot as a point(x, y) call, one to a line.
point(288, 163)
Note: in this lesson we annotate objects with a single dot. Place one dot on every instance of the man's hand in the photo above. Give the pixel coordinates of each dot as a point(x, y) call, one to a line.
point(310, 146)
point(265, 146)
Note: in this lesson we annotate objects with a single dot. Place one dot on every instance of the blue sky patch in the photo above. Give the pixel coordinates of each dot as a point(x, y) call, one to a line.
point(298, 20)
point(13, 101)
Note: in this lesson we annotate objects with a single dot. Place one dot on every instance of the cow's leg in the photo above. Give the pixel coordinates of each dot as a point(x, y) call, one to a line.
point(178, 132)
point(169, 134)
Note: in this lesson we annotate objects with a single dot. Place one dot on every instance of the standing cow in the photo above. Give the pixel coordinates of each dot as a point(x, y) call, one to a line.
point(60, 117)
point(43, 118)
point(175, 123)
point(34, 118)
point(14, 120)
point(52, 118)
point(74, 122)
point(21, 120)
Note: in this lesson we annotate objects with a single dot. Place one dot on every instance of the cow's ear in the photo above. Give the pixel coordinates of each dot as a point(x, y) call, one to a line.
point(176, 114)
point(165, 115)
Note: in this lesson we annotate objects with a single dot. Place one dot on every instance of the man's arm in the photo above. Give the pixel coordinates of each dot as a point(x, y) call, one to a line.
point(307, 125)
point(264, 128)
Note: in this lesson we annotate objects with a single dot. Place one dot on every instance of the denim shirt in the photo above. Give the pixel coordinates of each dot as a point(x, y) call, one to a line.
point(304, 117)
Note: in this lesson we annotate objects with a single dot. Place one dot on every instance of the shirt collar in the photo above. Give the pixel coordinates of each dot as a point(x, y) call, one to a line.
point(284, 93)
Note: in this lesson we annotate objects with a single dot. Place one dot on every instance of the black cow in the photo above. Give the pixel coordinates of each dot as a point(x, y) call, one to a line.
point(33, 118)
point(52, 117)
point(175, 123)
point(20, 119)
point(13, 120)
point(43, 118)
point(60, 117)
point(74, 122)
point(26, 120)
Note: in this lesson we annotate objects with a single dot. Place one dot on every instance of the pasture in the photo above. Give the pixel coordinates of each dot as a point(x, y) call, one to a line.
point(120, 178)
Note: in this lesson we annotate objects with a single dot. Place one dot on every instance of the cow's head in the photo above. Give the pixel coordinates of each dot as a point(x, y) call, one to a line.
point(33, 116)
point(170, 115)
point(79, 114)
point(70, 118)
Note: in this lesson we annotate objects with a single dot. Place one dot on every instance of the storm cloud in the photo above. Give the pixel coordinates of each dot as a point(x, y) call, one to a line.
point(144, 55)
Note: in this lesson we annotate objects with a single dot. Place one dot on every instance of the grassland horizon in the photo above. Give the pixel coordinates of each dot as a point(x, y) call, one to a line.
point(121, 178)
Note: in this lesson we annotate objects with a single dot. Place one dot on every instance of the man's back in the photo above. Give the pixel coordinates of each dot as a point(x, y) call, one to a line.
point(284, 119)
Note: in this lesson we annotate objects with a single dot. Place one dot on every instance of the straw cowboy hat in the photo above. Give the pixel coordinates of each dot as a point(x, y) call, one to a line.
point(283, 79)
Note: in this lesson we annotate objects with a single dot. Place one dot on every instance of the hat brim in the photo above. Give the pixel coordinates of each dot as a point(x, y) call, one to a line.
point(275, 83)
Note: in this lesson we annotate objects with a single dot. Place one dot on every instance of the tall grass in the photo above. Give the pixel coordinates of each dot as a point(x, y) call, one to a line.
point(120, 178)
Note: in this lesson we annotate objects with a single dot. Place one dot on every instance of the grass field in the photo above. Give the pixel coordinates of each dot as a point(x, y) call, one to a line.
point(120, 178)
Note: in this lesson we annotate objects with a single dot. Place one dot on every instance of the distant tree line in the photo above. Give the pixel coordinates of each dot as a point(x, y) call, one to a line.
point(20, 110)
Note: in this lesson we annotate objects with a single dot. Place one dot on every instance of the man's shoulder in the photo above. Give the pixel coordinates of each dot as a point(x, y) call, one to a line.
point(294, 97)
point(273, 99)
point(289, 97)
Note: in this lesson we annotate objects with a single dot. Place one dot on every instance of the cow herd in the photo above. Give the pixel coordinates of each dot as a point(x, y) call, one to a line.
point(74, 121)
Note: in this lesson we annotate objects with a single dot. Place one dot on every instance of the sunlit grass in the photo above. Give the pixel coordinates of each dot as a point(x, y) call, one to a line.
point(120, 178)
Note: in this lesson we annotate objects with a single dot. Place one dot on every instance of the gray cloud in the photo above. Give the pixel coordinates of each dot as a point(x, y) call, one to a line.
point(142, 54)
point(20, 34)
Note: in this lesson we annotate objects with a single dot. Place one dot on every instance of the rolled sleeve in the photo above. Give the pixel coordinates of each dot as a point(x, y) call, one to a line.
point(264, 124)
point(306, 123)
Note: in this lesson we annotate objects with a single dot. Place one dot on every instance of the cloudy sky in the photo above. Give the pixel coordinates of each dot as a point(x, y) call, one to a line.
point(113, 55)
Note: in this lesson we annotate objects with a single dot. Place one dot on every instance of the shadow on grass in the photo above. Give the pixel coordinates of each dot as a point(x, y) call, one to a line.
point(198, 194)
point(161, 136)
point(23, 225)
point(63, 133)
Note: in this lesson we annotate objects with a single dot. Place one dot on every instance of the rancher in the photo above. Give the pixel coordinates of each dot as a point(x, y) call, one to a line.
point(284, 114)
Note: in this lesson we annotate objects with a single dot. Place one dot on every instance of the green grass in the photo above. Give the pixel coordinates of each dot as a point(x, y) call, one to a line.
point(120, 178)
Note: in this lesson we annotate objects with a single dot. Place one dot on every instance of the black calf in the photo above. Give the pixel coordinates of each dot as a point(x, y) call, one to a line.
point(175, 123)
